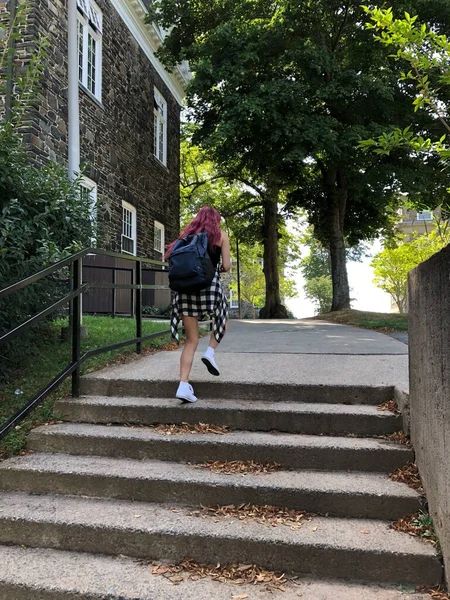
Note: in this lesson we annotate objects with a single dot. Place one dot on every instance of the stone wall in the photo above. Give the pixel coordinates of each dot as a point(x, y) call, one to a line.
point(429, 340)
point(116, 135)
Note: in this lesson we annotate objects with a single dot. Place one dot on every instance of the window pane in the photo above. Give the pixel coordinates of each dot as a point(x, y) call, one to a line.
point(155, 150)
point(127, 245)
point(425, 215)
point(158, 239)
point(92, 50)
point(161, 142)
point(80, 51)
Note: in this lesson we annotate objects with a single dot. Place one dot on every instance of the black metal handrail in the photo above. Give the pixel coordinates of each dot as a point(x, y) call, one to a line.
point(75, 261)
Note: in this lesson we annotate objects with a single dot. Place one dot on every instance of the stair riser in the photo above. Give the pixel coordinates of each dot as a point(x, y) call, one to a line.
point(289, 457)
point(335, 503)
point(19, 592)
point(240, 391)
point(319, 561)
point(250, 420)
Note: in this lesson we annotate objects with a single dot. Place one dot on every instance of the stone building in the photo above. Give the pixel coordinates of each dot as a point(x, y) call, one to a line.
point(118, 126)
point(128, 108)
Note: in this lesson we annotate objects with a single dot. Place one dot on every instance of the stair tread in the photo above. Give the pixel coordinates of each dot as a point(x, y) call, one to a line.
point(138, 517)
point(244, 438)
point(355, 483)
point(219, 404)
point(44, 570)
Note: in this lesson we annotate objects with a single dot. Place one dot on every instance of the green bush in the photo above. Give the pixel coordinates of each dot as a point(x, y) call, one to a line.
point(153, 311)
point(44, 219)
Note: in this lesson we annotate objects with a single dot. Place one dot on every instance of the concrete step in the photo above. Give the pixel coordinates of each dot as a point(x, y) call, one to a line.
point(291, 451)
point(46, 574)
point(325, 547)
point(256, 415)
point(102, 384)
point(356, 495)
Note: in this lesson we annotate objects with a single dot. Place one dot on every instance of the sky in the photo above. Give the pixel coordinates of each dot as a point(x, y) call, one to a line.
point(366, 295)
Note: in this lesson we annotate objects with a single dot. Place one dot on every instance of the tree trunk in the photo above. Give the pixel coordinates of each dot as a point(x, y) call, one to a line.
point(337, 192)
point(273, 309)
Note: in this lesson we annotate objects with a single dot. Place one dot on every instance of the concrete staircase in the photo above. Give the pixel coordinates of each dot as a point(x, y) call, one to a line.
point(103, 484)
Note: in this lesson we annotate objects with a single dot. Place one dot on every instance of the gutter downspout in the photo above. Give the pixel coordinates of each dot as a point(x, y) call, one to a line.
point(73, 97)
point(73, 125)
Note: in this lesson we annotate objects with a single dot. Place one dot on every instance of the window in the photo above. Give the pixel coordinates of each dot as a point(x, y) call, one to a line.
point(424, 215)
point(88, 190)
point(158, 236)
point(234, 302)
point(160, 127)
point(128, 228)
point(90, 46)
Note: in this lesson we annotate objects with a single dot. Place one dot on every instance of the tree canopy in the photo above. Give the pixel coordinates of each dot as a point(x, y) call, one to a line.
point(285, 91)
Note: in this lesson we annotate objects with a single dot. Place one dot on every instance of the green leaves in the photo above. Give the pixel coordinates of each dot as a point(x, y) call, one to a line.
point(392, 265)
point(427, 53)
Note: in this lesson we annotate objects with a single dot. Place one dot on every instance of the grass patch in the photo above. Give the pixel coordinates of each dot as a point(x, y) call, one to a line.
point(384, 322)
point(53, 355)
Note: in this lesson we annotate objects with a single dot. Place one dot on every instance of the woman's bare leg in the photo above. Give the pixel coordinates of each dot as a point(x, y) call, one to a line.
point(187, 356)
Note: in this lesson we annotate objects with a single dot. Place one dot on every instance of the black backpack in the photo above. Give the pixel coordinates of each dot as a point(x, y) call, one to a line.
point(190, 266)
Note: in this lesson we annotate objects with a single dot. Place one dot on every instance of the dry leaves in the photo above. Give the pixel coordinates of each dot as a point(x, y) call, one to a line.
point(267, 515)
point(235, 574)
point(419, 525)
point(391, 406)
point(437, 593)
point(177, 429)
point(240, 467)
point(399, 437)
point(409, 474)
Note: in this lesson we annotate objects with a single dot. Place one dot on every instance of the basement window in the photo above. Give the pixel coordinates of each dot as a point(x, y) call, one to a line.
point(129, 232)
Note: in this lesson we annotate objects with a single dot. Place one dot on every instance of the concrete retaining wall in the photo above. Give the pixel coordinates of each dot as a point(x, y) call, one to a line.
point(429, 340)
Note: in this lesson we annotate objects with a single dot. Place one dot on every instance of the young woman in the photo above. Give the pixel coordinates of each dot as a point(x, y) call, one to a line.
point(210, 302)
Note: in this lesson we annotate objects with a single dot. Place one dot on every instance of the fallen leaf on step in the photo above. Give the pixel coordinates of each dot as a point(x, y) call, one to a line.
point(244, 568)
point(366, 531)
point(314, 528)
point(240, 597)
point(137, 516)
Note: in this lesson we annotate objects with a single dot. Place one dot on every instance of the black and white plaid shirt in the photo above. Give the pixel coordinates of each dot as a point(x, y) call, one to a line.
point(210, 302)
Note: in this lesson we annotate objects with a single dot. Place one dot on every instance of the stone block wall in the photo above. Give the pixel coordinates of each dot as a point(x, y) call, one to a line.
point(116, 135)
point(429, 342)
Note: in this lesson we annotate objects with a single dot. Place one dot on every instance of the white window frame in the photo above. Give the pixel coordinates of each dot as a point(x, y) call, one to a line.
point(424, 215)
point(90, 21)
point(157, 226)
point(129, 229)
point(233, 303)
point(160, 126)
point(92, 190)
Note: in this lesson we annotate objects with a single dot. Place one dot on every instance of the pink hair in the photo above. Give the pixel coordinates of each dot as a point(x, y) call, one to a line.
point(207, 220)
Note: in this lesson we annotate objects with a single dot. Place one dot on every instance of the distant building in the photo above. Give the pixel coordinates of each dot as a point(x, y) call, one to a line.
point(415, 222)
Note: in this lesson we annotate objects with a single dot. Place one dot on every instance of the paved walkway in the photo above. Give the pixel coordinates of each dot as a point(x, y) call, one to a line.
point(292, 352)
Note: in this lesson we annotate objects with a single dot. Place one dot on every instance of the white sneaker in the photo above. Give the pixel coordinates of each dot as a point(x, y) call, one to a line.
point(185, 392)
point(210, 363)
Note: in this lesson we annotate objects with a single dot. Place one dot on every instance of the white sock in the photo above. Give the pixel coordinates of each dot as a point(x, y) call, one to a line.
point(210, 351)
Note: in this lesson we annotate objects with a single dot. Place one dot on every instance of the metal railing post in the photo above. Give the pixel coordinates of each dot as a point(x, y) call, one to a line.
point(76, 325)
point(138, 281)
point(114, 293)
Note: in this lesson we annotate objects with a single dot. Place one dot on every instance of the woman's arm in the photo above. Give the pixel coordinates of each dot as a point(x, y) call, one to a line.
point(226, 258)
